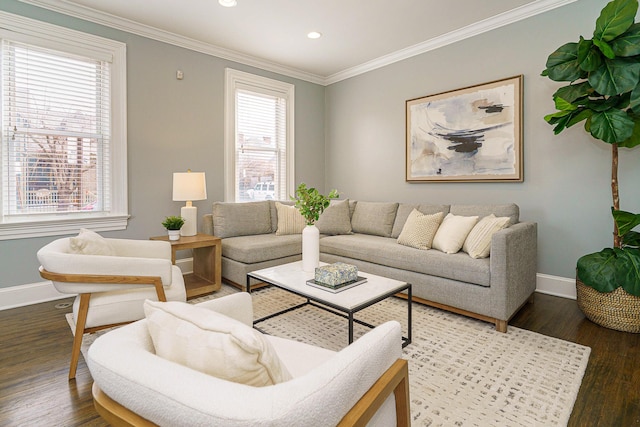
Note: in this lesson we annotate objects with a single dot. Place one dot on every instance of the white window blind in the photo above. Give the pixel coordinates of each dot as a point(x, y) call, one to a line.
point(261, 146)
point(56, 120)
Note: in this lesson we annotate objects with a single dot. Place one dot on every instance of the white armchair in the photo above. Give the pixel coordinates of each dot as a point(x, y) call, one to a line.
point(111, 288)
point(363, 384)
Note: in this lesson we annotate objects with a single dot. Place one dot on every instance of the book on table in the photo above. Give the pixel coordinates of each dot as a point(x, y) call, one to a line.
point(337, 288)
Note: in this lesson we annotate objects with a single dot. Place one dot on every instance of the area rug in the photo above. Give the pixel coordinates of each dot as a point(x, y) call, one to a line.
point(461, 371)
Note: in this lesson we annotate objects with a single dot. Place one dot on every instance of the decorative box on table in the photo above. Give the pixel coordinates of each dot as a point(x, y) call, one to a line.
point(336, 274)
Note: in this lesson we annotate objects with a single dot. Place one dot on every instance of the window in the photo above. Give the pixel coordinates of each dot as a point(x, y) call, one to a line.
point(63, 151)
point(258, 138)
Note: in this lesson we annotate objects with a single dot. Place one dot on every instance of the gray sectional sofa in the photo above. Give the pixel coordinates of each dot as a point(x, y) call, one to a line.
point(366, 234)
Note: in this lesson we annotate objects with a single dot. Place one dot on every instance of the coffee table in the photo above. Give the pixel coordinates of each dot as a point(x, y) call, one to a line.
point(290, 277)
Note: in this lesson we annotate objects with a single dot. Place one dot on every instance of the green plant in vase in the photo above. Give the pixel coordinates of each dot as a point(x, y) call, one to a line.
point(173, 222)
point(311, 203)
point(604, 92)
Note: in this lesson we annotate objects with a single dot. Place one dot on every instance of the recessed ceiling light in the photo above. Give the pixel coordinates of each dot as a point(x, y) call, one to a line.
point(228, 3)
point(314, 35)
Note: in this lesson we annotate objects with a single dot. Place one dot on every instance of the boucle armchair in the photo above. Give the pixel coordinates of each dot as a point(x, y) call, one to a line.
point(364, 384)
point(111, 277)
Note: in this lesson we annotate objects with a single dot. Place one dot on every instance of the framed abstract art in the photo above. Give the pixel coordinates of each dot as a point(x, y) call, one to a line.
point(472, 134)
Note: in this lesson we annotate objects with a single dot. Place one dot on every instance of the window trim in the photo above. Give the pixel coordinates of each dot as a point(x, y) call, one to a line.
point(31, 31)
point(235, 79)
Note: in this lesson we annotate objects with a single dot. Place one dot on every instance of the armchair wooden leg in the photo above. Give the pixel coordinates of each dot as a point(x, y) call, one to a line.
point(77, 338)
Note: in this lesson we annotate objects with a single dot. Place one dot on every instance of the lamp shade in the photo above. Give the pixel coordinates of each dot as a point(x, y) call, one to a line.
point(188, 186)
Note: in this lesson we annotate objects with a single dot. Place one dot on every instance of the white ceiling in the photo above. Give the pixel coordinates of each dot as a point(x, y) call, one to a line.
point(358, 35)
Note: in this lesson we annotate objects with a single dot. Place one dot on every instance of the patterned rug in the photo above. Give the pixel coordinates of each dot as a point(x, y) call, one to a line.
point(461, 371)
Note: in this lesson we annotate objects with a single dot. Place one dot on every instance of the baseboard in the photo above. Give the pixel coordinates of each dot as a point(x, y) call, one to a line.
point(35, 293)
point(556, 286)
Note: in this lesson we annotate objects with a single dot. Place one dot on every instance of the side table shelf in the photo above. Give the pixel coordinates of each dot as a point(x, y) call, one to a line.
point(207, 262)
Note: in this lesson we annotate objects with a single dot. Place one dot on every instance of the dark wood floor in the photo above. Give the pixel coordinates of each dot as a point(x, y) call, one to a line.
point(35, 342)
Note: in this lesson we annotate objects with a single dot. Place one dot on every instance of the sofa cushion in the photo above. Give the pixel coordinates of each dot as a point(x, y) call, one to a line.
point(478, 242)
point(511, 210)
point(274, 212)
point(213, 343)
point(374, 218)
point(290, 220)
point(89, 242)
point(241, 219)
point(335, 219)
point(386, 251)
point(404, 209)
point(453, 232)
point(261, 247)
point(419, 230)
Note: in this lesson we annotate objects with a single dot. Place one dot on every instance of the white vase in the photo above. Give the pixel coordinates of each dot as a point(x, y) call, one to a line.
point(174, 234)
point(310, 248)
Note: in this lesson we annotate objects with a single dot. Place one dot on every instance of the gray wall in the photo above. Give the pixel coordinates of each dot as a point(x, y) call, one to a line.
point(172, 126)
point(566, 187)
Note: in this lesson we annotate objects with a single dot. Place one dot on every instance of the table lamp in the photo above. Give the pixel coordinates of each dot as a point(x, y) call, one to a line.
point(189, 186)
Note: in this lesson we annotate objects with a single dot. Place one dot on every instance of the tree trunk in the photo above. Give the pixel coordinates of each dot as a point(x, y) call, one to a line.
point(614, 191)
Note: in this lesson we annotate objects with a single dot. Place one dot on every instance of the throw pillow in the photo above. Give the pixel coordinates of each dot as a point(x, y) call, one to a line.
point(374, 218)
point(419, 229)
point(90, 243)
point(453, 232)
point(335, 219)
point(241, 219)
point(290, 220)
point(213, 343)
point(478, 243)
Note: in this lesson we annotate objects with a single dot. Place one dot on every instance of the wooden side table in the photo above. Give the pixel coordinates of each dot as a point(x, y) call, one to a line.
point(207, 262)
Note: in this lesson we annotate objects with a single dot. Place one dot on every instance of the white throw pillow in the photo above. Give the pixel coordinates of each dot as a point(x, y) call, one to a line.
point(453, 232)
point(478, 243)
point(419, 229)
point(90, 243)
point(213, 343)
point(290, 220)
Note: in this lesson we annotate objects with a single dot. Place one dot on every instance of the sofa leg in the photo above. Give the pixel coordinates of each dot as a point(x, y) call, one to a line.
point(501, 325)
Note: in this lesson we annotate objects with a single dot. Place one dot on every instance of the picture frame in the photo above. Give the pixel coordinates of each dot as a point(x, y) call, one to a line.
point(473, 134)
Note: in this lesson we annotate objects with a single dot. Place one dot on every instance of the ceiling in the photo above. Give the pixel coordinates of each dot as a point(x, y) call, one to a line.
point(357, 35)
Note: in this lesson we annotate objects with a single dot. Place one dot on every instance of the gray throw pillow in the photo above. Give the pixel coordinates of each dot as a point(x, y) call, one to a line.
point(374, 218)
point(335, 219)
point(241, 219)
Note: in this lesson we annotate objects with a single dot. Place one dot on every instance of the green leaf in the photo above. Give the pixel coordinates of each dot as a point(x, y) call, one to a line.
point(628, 270)
point(635, 98)
point(611, 126)
point(615, 19)
point(564, 105)
point(589, 57)
point(562, 65)
point(628, 44)
point(615, 76)
point(598, 270)
point(604, 48)
point(573, 92)
point(625, 221)
point(555, 117)
point(631, 239)
point(577, 117)
point(634, 139)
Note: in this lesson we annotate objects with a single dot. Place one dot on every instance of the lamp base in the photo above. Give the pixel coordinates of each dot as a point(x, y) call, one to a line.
point(190, 215)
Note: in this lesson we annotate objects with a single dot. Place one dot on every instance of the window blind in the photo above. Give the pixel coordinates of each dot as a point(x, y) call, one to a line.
point(56, 131)
point(261, 146)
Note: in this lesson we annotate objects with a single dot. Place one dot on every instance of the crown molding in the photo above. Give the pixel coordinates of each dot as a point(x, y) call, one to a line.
point(88, 14)
point(477, 28)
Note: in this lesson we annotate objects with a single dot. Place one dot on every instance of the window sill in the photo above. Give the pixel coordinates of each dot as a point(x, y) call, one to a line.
point(54, 227)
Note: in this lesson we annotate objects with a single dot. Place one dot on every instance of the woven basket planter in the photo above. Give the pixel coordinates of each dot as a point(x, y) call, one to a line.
point(617, 310)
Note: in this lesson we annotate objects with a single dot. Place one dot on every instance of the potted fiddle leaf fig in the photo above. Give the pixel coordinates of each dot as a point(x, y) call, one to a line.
point(604, 91)
point(311, 204)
